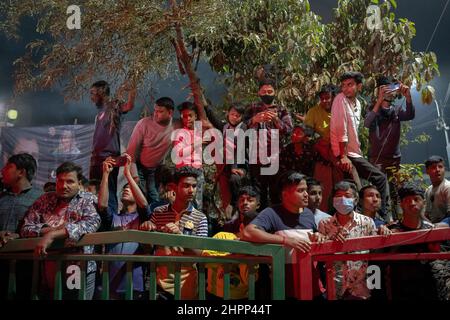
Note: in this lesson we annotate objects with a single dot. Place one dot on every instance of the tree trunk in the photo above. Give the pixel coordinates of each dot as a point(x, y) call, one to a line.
point(186, 62)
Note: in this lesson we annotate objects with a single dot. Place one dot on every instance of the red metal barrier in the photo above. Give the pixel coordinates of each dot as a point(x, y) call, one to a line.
point(327, 252)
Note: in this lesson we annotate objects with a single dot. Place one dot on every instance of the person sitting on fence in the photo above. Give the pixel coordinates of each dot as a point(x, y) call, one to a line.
point(344, 125)
point(318, 118)
point(411, 279)
point(248, 203)
point(179, 218)
point(238, 273)
point(315, 200)
point(67, 214)
point(271, 224)
point(135, 210)
point(350, 277)
point(438, 194)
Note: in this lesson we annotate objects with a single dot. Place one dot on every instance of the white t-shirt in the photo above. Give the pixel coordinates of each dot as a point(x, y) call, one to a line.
point(438, 201)
point(344, 126)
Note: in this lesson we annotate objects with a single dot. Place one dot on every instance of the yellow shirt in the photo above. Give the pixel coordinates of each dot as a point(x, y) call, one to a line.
point(238, 273)
point(319, 119)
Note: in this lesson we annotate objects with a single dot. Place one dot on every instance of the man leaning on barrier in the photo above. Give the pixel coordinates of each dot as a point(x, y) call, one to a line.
point(67, 214)
point(278, 224)
point(350, 276)
point(181, 217)
point(18, 196)
point(412, 279)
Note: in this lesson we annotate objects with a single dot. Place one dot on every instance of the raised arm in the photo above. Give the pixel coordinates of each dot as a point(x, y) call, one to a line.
point(129, 105)
point(141, 201)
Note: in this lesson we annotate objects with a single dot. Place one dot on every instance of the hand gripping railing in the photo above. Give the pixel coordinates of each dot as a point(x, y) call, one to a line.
point(327, 252)
point(241, 252)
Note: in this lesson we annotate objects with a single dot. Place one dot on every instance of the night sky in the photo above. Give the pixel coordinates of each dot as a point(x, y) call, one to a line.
point(425, 14)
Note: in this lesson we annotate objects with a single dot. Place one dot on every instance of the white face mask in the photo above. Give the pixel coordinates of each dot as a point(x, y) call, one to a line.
point(344, 205)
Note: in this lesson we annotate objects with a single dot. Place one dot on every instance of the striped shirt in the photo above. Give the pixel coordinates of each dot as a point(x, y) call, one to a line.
point(198, 225)
point(165, 214)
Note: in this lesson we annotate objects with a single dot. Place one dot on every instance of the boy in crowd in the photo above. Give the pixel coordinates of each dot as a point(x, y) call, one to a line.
point(180, 217)
point(187, 152)
point(135, 210)
point(248, 204)
point(350, 276)
point(315, 193)
point(267, 115)
point(229, 176)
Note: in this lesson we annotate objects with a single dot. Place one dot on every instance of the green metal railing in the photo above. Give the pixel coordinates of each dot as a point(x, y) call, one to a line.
point(241, 252)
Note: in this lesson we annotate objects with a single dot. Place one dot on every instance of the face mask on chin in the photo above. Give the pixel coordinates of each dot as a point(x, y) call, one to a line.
point(266, 99)
point(343, 205)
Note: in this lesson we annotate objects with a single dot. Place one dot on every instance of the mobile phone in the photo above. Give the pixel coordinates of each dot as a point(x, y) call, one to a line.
point(394, 87)
point(120, 161)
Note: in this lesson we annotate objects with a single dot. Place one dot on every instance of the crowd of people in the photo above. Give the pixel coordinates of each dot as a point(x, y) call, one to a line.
point(325, 189)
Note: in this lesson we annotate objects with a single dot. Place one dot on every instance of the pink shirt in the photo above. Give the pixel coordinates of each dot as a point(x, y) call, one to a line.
point(184, 150)
point(344, 126)
point(150, 142)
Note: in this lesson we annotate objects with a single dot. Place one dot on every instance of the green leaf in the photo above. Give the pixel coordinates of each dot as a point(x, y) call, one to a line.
point(393, 3)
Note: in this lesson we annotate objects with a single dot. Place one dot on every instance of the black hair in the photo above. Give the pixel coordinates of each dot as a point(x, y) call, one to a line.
point(95, 182)
point(25, 161)
point(266, 82)
point(311, 182)
point(309, 132)
point(432, 160)
point(67, 167)
point(357, 76)
point(185, 172)
point(250, 191)
point(166, 175)
point(165, 102)
point(344, 186)
point(187, 105)
point(290, 178)
point(363, 189)
point(385, 80)
point(239, 107)
point(84, 181)
point(127, 185)
point(410, 189)
point(49, 186)
point(329, 88)
point(102, 84)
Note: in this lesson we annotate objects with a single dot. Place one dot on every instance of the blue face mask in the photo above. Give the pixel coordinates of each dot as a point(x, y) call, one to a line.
point(343, 205)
